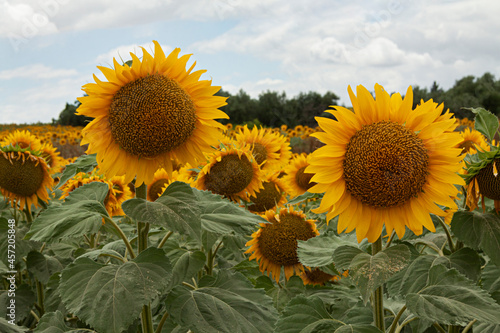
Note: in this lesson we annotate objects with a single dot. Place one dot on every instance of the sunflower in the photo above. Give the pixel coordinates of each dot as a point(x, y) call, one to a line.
point(23, 139)
point(160, 179)
point(274, 245)
point(471, 139)
point(24, 176)
point(231, 172)
point(150, 113)
point(386, 163)
point(273, 194)
point(270, 150)
point(82, 178)
point(482, 178)
point(297, 180)
point(316, 277)
point(121, 193)
point(52, 157)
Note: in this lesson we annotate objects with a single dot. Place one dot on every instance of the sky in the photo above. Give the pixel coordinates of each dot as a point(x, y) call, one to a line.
point(50, 48)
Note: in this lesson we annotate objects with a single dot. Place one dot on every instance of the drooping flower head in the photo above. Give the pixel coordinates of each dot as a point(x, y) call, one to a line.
point(231, 172)
point(273, 194)
point(384, 163)
point(24, 176)
point(296, 178)
point(150, 113)
point(274, 245)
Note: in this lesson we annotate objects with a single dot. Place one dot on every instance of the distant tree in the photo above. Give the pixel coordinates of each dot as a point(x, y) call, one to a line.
point(309, 105)
point(68, 116)
point(271, 109)
point(240, 108)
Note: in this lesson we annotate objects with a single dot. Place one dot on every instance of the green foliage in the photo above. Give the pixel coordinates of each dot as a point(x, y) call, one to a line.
point(450, 298)
point(68, 116)
point(110, 297)
point(485, 122)
point(80, 214)
point(225, 303)
point(479, 231)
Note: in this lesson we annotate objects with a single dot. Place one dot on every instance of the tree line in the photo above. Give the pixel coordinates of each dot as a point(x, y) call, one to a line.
point(273, 109)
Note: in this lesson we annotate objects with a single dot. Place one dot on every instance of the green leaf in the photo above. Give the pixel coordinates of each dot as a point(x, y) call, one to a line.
point(84, 163)
point(468, 262)
point(25, 298)
point(53, 322)
point(227, 303)
point(186, 267)
point(318, 251)
point(110, 297)
point(302, 197)
point(176, 210)
point(414, 276)
point(6, 327)
point(283, 294)
point(42, 266)
point(479, 231)
point(80, 214)
point(370, 272)
point(491, 281)
point(222, 217)
point(308, 315)
point(450, 298)
point(344, 255)
point(486, 328)
point(485, 122)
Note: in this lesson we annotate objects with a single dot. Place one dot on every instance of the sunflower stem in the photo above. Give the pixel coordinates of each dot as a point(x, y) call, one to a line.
point(162, 322)
point(448, 234)
point(378, 294)
point(122, 236)
point(164, 240)
point(29, 218)
point(142, 244)
point(396, 319)
point(39, 294)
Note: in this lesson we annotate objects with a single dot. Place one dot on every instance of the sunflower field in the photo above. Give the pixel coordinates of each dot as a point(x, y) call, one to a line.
point(155, 217)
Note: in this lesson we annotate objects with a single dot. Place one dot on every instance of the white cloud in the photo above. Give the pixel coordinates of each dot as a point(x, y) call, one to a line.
point(268, 82)
point(36, 71)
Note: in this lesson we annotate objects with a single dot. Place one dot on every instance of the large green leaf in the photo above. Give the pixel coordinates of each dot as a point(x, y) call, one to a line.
point(450, 298)
point(491, 281)
point(176, 210)
point(80, 214)
point(110, 297)
point(84, 163)
point(318, 251)
point(22, 246)
point(223, 217)
point(486, 328)
point(6, 327)
point(308, 315)
point(42, 266)
point(25, 298)
point(186, 267)
point(370, 272)
point(53, 322)
point(282, 294)
point(485, 122)
point(468, 262)
point(344, 255)
point(228, 303)
point(479, 231)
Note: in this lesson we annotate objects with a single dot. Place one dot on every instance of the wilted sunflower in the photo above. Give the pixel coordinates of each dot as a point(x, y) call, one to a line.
point(270, 150)
point(24, 176)
point(274, 245)
point(150, 113)
point(297, 180)
point(273, 194)
point(386, 163)
point(482, 178)
point(471, 140)
point(231, 172)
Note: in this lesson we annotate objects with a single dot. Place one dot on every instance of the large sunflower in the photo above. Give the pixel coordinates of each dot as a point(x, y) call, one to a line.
point(274, 245)
point(150, 113)
point(24, 177)
point(231, 172)
point(386, 163)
